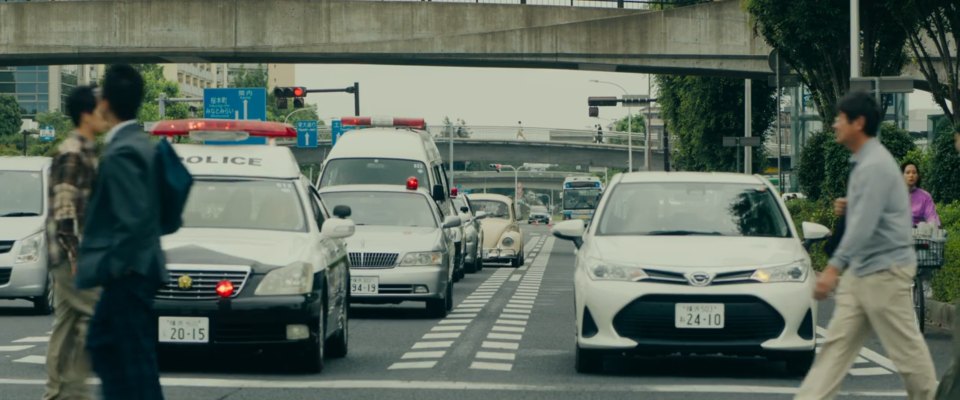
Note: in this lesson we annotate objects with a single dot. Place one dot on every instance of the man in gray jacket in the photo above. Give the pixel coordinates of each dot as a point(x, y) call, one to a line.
point(878, 263)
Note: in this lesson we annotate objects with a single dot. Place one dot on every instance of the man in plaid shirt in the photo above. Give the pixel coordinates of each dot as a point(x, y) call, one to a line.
point(71, 179)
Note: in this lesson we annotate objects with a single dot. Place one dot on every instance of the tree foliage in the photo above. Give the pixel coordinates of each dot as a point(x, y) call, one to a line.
point(700, 111)
point(154, 83)
point(943, 180)
point(638, 124)
point(10, 116)
point(812, 37)
point(810, 170)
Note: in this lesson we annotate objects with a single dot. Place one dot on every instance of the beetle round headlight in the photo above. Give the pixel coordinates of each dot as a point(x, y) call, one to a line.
point(508, 241)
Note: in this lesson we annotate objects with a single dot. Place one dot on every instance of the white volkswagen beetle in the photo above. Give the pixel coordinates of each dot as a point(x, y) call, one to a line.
point(502, 240)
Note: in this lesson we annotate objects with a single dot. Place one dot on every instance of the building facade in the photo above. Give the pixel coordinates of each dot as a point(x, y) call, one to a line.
point(40, 89)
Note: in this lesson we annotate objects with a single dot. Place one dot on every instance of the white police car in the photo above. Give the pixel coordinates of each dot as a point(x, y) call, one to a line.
point(260, 262)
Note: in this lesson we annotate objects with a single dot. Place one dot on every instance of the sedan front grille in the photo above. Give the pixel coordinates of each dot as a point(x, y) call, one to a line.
point(677, 278)
point(203, 283)
point(373, 260)
point(5, 275)
point(746, 318)
point(250, 332)
point(6, 246)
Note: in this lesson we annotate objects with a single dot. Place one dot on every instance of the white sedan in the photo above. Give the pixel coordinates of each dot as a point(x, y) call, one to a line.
point(692, 263)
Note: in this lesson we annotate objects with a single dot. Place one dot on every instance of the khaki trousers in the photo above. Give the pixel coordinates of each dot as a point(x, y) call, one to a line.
point(881, 302)
point(950, 383)
point(68, 364)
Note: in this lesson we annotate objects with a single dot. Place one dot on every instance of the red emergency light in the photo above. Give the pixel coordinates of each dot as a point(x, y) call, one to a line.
point(412, 183)
point(184, 127)
point(454, 192)
point(225, 289)
point(416, 123)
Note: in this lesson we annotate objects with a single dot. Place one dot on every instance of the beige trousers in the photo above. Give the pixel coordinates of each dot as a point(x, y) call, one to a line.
point(881, 302)
point(68, 364)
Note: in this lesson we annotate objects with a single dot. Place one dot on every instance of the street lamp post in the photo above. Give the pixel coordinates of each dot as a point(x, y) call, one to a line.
point(629, 125)
point(516, 183)
point(285, 119)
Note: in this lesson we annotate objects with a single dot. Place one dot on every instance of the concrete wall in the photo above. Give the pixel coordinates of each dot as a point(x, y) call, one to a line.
point(713, 38)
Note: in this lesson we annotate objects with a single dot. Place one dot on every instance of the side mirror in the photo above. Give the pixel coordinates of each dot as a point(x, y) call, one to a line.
point(464, 209)
point(465, 219)
point(813, 233)
point(452, 221)
point(338, 228)
point(571, 230)
point(342, 212)
point(480, 215)
point(438, 193)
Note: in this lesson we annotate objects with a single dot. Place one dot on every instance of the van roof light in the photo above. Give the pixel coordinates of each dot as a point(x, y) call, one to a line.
point(222, 129)
point(416, 123)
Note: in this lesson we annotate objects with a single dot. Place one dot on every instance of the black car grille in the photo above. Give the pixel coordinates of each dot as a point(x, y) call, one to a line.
point(6, 246)
point(746, 319)
point(248, 332)
point(677, 278)
point(395, 289)
point(5, 275)
point(373, 260)
point(203, 284)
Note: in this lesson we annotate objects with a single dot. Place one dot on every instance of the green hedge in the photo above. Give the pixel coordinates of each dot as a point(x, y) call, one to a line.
point(946, 282)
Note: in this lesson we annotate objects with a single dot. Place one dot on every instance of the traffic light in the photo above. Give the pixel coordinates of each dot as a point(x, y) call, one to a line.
point(593, 112)
point(298, 102)
point(602, 101)
point(297, 93)
point(495, 167)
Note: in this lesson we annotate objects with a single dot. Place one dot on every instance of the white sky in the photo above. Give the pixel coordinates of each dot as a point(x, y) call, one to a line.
point(481, 96)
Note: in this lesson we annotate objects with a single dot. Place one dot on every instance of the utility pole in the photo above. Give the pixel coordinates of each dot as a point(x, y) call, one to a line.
point(854, 38)
point(747, 125)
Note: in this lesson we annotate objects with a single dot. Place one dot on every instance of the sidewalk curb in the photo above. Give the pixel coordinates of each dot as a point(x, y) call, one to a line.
point(940, 314)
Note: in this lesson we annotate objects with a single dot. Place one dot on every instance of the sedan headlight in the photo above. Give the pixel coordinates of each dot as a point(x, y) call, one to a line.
point(296, 278)
point(796, 272)
point(508, 241)
point(30, 249)
point(608, 272)
point(423, 258)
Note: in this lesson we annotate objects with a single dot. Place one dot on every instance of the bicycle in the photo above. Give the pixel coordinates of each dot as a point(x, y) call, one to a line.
point(929, 247)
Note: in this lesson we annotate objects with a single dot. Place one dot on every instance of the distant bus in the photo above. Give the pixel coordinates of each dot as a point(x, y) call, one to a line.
point(580, 196)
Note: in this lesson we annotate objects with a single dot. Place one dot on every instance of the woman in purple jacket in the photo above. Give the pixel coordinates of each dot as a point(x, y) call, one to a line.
point(920, 200)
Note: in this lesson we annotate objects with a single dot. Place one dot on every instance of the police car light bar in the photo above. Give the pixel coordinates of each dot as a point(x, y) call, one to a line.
point(222, 129)
point(417, 123)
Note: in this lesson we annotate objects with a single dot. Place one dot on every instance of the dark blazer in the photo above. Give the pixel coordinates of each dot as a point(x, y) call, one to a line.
point(121, 235)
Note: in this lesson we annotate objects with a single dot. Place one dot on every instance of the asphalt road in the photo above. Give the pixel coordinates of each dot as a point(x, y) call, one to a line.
point(511, 336)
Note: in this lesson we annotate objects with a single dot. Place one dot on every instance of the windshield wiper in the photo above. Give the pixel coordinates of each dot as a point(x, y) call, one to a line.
point(20, 214)
point(683, 233)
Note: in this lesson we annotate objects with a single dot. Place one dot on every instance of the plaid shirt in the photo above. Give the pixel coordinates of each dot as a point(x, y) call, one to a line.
point(71, 180)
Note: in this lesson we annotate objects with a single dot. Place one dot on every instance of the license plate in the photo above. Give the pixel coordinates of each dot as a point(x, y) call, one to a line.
point(364, 284)
point(184, 330)
point(699, 316)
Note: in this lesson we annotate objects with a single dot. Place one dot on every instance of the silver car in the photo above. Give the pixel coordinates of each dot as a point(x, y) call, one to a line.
point(473, 257)
point(23, 242)
point(403, 248)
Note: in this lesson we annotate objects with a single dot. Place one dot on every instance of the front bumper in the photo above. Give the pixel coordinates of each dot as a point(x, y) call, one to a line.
point(499, 254)
point(401, 283)
point(22, 280)
point(256, 321)
point(640, 317)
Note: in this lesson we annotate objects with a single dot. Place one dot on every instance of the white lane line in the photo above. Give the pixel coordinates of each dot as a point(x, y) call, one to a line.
point(495, 355)
point(514, 305)
point(40, 360)
point(451, 328)
point(474, 302)
point(413, 365)
point(515, 316)
point(467, 309)
point(517, 299)
point(861, 360)
point(875, 371)
point(491, 366)
point(33, 339)
point(511, 322)
point(515, 278)
point(445, 335)
point(500, 345)
point(11, 349)
point(523, 268)
point(513, 329)
point(504, 336)
point(516, 311)
point(461, 314)
point(412, 355)
point(454, 321)
point(432, 345)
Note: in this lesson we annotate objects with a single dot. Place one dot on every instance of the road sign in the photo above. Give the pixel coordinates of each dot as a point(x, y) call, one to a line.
point(306, 134)
point(740, 141)
point(887, 84)
point(602, 101)
point(236, 103)
point(337, 129)
point(47, 133)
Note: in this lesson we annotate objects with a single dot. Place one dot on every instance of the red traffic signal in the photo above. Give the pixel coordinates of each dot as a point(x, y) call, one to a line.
point(290, 91)
point(299, 91)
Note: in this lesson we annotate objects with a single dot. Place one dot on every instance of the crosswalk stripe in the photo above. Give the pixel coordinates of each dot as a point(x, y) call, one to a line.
point(491, 366)
point(422, 354)
point(33, 339)
point(432, 345)
point(494, 355)
point(874, 371)
point(10, 349)
point(40, 360)
point(499, 345)
point(413, 365)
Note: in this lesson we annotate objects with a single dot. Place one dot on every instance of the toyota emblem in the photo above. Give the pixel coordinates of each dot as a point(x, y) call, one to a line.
point(700, 278)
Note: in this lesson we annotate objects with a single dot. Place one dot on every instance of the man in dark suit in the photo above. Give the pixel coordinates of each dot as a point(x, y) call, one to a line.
point(121, 250)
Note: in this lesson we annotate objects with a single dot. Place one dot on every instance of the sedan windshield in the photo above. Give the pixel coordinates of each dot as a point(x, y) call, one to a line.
point(372, 171)
point(493, 208)
point(269, 205)
point(22, 194)
point(384, 208)
point(683, 209)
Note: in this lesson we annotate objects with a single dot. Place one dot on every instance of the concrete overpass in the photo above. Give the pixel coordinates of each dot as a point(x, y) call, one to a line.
point(519, 152)
point(707, 39)
point(530, 180)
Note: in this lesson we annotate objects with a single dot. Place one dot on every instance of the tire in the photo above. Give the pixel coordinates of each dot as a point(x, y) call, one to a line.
point(470, 268)
point(799, 364)
point(439, 308)
point(337, 345)
point(515, 262)
point(313, 358)
point(588, 361)
point(478, 263)
point(458, 265)
point(43, 304)
point(919, 303)
point(448, 300)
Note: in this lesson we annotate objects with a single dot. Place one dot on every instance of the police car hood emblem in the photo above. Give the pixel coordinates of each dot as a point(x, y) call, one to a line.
point(699, 278)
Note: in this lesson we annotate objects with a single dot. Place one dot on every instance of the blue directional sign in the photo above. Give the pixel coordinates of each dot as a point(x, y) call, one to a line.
point(47, 134)
point(307, 134)
point(236, 103)
point(337, 129)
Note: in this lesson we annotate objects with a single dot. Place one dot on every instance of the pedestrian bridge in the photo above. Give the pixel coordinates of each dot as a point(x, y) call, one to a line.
point(712, 38)
point(532, 180)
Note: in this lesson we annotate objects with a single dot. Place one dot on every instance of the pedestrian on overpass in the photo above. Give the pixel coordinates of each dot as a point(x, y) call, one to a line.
point(520, 135)
point(71, 179)
point(878, 263)
point(121, 250)
point(950, 383)
point(599, 134)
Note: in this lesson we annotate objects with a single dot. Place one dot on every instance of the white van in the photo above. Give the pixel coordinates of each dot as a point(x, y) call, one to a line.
point(23, 242)
point(389, 151)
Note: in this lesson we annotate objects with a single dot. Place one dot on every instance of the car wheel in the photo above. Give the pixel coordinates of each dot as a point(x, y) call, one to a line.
point(458, 265)
point(43, 304)
point(799, 364)
point(437, 308)
point(589, 361)
point(448, 300)
point(313, 358)
point(337, 345)
point(470, 268)
point(478, 263)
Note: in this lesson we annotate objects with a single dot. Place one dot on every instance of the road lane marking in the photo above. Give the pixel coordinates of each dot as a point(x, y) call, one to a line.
point(495, 355)
point(449, 328)
point(514, 329)
point(515, 316)
point(511, 322)
point(515, 278)
point(413, 365)
point(866, 353)
point(499, 345)
point(422, 354)
point(444, 335)
point(491, 366)
point(39, 360)
point(512, 305)
point(10, 349)
point(504, 336)
point(467, 309)
point(33, 339)
point(462, 314)
point(516, 311)
point(454, 321)
point(432, 345)
point(874, 371)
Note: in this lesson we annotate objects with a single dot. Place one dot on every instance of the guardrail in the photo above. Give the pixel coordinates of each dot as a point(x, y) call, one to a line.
point(624, 4)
